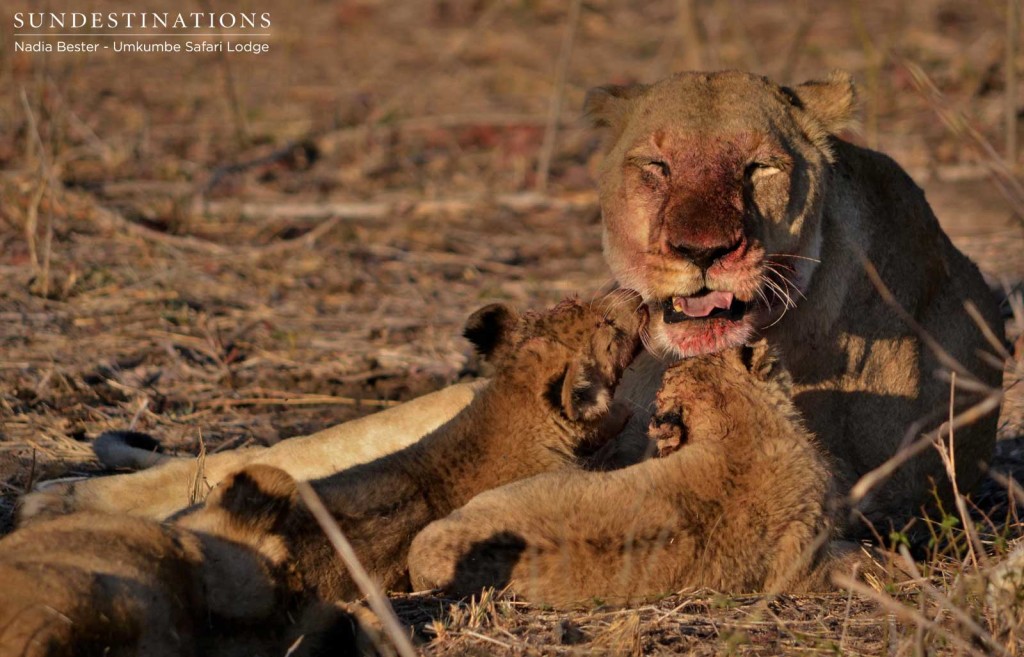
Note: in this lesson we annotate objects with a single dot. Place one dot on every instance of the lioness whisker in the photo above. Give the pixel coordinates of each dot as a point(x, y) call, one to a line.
point(791, 255)
point(785, 279)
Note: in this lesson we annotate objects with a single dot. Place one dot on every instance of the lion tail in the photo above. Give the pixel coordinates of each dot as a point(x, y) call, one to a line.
point(128, 449)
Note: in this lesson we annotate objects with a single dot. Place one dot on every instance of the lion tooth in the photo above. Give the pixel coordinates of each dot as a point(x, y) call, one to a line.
point(677, 304)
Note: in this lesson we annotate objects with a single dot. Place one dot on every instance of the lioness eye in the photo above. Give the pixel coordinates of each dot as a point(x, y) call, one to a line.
point(657, 168)
point(757, 170)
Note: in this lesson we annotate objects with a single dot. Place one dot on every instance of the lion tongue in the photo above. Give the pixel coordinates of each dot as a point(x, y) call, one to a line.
point(702, 306)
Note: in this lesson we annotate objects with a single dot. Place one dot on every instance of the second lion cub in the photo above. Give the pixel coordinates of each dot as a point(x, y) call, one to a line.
point(739, 501)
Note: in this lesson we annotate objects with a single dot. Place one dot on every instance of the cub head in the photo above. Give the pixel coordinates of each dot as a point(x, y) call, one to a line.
point(705, 398)
point(712, 192)
point(567, 360)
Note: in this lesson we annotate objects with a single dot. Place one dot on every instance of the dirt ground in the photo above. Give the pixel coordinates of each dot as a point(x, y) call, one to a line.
point(236, 249)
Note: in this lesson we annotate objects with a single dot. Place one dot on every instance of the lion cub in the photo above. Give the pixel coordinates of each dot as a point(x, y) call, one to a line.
point(224, 578)
point(549, 403)
point(738, 501)
point(104, 584)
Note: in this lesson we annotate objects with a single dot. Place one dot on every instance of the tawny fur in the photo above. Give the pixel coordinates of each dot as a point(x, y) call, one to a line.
point(549, 401)
point(763, 161)
point(741, 501)
point(226, 577)
point(162, 490)
point(102, 584)
point(862, 377)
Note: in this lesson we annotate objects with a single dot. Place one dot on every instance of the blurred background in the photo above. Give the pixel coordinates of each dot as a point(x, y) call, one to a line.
point(232, 249)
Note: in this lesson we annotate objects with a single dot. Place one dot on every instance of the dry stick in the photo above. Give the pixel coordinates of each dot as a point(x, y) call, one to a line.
point(686, 29)
point(751, 58)
point(241, 129)
point(948, 456)
point(944, 357)
point(846, 614)
point(365, 210)
point(1010, 93)
point(972, 414)
point(398, 98)
point(224, 170)
point(797, 44)
point(196, 487)
point(947, 604)
point(378, 602)
point(874, 59)
point(115, 222)
point(477, 635)
point(902, 611)
point(871, 479)
point(557, 96)
point(138, 414)
point(1004, 178)
point(51, 182)
point(298, 401)
point(986, 330)
point(1011, 485)
point(32, 222)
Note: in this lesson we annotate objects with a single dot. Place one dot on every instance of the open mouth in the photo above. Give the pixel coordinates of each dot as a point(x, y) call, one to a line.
point(704, 305)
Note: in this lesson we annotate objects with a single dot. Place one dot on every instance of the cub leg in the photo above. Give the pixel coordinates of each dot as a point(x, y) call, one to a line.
point(570, 537)
point(656, 527)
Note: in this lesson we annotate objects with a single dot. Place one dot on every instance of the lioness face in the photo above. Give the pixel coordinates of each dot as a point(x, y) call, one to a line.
point(711, 196)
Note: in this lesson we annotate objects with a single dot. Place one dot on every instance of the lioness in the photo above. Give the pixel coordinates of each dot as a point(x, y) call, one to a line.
point(224, 578)
point(741, 500)
point(732, 206)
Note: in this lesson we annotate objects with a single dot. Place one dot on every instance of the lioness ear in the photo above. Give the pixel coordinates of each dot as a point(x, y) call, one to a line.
point(608, 106)
point(585, 395)
point(491, 328)
point(831, 101)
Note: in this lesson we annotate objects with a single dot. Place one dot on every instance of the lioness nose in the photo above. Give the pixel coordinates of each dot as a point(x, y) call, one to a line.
point(705, 256)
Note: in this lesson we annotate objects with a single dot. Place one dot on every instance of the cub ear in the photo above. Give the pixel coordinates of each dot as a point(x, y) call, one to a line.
point(831, 101)
point(609, 105)
point(585, 395)
point(492, 328)
point(257, 497)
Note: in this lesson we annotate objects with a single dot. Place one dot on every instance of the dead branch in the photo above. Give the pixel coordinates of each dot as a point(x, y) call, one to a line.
point(903, 612)
point(557, 96)
point(378, 601)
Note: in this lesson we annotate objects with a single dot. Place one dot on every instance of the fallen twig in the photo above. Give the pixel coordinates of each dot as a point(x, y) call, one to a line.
point(378, 602)
point(557, 96)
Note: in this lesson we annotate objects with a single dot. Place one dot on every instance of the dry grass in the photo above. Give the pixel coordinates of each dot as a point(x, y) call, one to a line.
point(249, 250)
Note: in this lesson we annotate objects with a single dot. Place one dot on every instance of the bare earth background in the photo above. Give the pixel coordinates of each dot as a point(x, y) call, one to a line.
point(236, 249)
